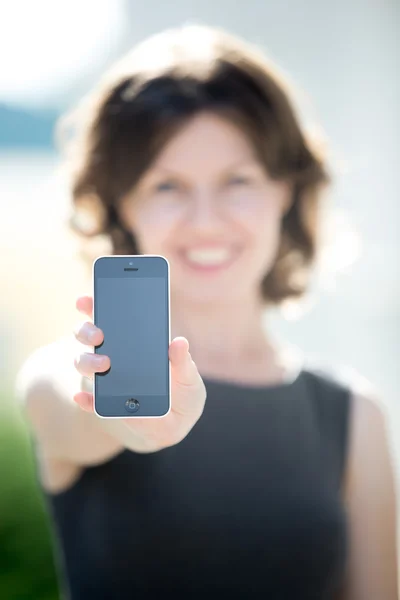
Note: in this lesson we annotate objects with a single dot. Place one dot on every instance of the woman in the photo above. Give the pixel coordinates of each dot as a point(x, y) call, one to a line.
point(280, 486)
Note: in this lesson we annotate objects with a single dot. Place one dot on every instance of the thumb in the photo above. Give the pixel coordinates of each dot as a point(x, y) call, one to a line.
point(184, 370)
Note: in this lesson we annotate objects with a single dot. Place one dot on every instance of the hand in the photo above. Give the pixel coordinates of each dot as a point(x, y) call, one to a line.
point(188, 393)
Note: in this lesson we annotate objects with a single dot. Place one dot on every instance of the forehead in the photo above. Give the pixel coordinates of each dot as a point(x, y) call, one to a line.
point(206, 141)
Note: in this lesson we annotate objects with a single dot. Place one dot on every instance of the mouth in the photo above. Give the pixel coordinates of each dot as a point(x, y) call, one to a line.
point(209, 259)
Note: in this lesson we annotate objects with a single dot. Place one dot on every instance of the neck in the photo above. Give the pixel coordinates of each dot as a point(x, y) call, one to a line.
point(228, 332)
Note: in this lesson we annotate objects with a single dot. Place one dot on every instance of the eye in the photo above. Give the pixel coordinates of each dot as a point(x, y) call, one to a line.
point(166, 186)
point(239, 180)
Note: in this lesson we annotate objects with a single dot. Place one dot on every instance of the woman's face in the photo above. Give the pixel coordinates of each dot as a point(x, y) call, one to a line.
point(208, 206)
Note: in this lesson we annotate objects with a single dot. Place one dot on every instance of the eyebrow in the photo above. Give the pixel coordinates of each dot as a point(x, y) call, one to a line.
point(248, 162)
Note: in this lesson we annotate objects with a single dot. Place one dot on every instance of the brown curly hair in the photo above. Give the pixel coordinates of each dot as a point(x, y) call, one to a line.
point(151, 93)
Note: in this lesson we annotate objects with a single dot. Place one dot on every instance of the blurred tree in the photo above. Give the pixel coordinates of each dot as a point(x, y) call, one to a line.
point(27, 570)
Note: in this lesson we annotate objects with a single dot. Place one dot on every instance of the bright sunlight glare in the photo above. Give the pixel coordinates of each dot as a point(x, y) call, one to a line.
point(46, 45)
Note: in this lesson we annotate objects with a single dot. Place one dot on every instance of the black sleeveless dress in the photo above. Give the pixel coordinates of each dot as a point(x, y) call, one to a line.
point(248, 505)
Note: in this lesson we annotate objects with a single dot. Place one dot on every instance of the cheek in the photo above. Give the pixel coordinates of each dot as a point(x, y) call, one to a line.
point(261, 218)
point(154, 226)
point(260, 215)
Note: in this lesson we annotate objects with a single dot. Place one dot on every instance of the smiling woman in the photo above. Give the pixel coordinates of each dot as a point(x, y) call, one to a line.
point(133, 115)
point(281, 484)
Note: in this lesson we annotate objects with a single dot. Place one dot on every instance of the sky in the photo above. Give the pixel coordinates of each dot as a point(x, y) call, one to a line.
point(47, 45)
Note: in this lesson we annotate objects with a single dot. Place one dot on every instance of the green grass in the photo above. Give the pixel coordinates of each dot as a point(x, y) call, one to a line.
point(27, 569)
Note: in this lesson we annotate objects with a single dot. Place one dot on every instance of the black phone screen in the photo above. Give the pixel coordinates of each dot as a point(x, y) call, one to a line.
point(131, 308)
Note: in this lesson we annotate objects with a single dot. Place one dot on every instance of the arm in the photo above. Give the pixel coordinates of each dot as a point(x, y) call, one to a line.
point(371, 504)
point(61, 412)
point(45, 387)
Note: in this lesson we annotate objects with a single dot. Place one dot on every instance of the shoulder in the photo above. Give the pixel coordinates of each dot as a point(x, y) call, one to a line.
point(352, 410)
point(49, 368)
point(343, 385)
point(337, 377)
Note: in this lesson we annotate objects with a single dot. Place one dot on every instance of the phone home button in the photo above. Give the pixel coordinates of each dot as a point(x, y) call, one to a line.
point(132, 405)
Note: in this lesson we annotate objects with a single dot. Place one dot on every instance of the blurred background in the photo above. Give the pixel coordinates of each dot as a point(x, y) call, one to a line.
point(345, 56)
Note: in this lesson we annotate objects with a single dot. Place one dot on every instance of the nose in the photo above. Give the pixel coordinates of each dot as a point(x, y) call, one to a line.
point(204, 212)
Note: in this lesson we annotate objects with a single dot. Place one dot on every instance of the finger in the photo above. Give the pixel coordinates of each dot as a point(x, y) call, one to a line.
point(84, 304)
point(185, 377)
point(87, 364)
point(87, 333)
point(183, 368)
point(84, 400)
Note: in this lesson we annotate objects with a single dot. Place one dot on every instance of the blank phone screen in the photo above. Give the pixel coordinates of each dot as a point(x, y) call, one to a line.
point(132, 312)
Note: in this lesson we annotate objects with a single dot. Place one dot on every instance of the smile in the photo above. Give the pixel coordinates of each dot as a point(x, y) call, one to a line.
point(209, 259)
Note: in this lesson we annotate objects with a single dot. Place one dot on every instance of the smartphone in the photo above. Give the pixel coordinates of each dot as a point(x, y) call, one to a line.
point(131, 305)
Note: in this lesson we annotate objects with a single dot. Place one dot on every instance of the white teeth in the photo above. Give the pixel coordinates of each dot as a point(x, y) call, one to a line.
point(213, 256)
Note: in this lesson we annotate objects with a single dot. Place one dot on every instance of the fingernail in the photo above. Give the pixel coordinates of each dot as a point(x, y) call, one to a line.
point(92, 334)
